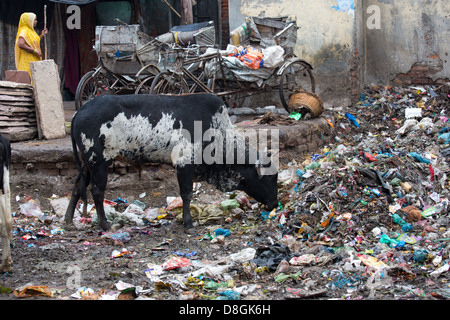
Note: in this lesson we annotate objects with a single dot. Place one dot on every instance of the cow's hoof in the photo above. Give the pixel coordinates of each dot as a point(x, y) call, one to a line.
point(105, 225)
point(5, 268)
point(69, 226)
point(189, 231)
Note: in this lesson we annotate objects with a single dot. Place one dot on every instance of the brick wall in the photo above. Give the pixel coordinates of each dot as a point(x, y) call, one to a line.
point(419, 74)
point(225, 24)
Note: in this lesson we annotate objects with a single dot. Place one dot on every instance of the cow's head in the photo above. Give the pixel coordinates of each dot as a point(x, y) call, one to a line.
point(260, 181)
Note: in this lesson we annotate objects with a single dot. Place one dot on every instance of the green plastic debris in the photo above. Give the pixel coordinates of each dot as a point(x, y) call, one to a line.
point(283, 277)
point(229, 204)
point(212, 285)
point(313, 166)
point(295, 115)
point(395, 182)
point(5, 289)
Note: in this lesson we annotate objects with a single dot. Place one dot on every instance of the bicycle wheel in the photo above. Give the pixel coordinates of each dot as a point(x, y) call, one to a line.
point(145, 86)
point(295, 76)
point(91, 86)
point(168, 82)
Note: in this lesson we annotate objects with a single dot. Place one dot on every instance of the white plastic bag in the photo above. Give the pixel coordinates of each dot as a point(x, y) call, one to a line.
point(31, 209)
point(273, 56)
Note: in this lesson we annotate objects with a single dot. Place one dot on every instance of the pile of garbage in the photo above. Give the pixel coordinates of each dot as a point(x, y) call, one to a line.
point(365, 217)
point(374, 206)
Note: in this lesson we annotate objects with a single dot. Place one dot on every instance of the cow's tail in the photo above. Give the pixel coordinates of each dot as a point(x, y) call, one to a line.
point(81, 177)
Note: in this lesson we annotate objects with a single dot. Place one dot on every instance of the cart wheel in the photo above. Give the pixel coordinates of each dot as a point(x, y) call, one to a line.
point(295, 76)
point(145, 86)
point(168, 82)
point(89, 87)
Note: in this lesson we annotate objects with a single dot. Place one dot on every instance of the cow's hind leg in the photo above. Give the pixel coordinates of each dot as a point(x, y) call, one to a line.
point(68, 218)
point(99, 179)
point(77, 193)
point(185, 175)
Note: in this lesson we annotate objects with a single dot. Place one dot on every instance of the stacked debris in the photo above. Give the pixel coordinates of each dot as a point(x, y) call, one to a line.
point(17, 111)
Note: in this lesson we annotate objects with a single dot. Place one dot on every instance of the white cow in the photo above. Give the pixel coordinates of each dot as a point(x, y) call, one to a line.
point(5, 205)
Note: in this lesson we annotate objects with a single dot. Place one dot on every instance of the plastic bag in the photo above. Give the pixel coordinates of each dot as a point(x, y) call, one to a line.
point(229, 295)
point(419, 158)
point(273, 56)
point(242, 256)
point(229, 204)
point(31, 209)
point(250, 56)
point(305, 259)
point(176, 262)
point(222, 232)
point(371, 261)
point(173, 203)
point(352, 119)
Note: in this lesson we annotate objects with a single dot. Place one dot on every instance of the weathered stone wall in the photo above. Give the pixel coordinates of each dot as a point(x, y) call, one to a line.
point(49, 167)
point(412, 43)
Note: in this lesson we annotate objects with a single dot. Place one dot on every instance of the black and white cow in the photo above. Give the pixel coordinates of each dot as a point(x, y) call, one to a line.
point(193, 132)
point(5, 205)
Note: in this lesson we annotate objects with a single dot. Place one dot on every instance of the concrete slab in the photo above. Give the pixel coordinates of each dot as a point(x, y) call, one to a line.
point(48, 99)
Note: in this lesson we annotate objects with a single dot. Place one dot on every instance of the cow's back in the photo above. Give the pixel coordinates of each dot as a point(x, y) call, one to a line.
point(143, 128)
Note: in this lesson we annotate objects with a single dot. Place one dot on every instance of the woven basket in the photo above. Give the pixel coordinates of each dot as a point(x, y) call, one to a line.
point(308, 100)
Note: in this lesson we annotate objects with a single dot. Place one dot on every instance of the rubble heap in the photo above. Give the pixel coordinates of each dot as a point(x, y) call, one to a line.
point(17, 111)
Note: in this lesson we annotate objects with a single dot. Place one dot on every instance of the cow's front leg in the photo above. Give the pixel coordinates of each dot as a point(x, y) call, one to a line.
point(185, 175)
point(6, 234)
point(99, 178)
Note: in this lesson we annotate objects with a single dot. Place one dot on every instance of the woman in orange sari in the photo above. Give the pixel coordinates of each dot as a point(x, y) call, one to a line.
point(28, 48)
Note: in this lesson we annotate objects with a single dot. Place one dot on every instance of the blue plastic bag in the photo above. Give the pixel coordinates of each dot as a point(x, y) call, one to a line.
point(222, 232)
point(229, 295)
point(418, 157)
point(352, 119)
point(445, 136)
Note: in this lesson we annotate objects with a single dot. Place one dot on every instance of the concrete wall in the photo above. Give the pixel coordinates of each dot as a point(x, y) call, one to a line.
point(412, 44)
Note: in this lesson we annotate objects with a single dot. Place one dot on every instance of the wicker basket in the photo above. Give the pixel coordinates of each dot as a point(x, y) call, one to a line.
point(308, 100)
